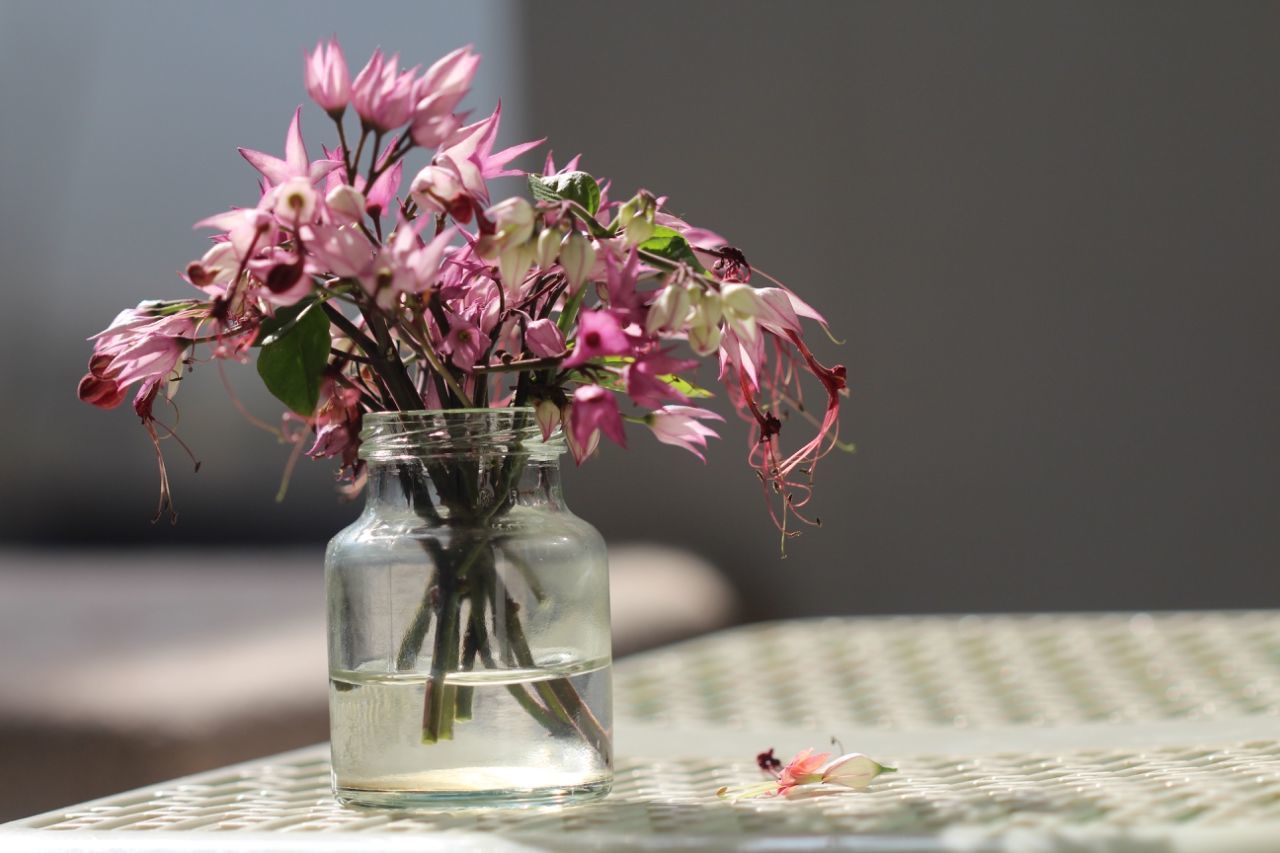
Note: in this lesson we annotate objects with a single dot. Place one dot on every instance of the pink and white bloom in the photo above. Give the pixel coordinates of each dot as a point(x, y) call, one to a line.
point(470, 152)
point(327, 80)
point(682, 426)
point(382, 96)
point(345, 204)
point(294, 201)
point(438, 94)
point(513, 221)
point(438, 188)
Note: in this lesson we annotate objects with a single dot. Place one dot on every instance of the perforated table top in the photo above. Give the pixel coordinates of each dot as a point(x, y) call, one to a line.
point(1110, 732)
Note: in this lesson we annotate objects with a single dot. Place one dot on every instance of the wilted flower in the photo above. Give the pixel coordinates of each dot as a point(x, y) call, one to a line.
point(810, 774)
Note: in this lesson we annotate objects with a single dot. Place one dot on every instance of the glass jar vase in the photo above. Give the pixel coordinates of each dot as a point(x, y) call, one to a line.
point(468, 608)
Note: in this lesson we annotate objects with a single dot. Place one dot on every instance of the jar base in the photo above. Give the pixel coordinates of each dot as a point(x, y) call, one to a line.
point(495, 798)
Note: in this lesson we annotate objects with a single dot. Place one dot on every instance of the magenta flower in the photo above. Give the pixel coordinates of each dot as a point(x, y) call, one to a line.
point(383, 98)
point(594, 410)
point(681, 426)
point(295, 163)
point(326, 78)
point(644, 379)
point(465, 342)
point(599, 334)
point(543, 338)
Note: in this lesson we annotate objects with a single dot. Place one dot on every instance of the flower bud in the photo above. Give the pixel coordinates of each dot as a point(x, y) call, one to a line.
point(577, 256)
point(741, 305)
point(548, 415)
point(543, 338)
point(704, 330)
point(703, 339)
point(513, 265)
point(345, 203)
point(638, 230)
point(439, 189)
point(670, 310)
point(548, 247)
point(513, 221)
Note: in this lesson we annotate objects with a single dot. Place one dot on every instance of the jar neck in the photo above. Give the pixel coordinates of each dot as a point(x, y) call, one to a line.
point(460, 465)
point(470, 487)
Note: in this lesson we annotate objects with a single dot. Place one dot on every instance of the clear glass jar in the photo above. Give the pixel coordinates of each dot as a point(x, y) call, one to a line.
point(469, 642)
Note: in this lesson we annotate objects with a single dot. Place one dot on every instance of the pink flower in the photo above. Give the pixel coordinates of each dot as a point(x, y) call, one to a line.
point(470, 152)
point(804, 769)
point(680, 426)
point(543, 338)
point(599, 334)
point(294, 164)
point(327, 80)
point(338, 250)
point(378, 198)
point(438, 188)
point(437, 95)
point(594, 410)
point(420, 263)
point(644, 379)
point(383, 97)
point(142, 344)
point(246, 229)
point(465, 342)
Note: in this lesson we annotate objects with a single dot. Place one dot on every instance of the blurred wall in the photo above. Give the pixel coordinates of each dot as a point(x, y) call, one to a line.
point(119, 124)
point(1045, 231)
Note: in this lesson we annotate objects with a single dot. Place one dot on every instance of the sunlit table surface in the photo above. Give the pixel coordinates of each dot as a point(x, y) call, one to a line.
point(1115, 732)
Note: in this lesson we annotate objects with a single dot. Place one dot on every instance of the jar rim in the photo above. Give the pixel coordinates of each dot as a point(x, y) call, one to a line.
point(390, 436)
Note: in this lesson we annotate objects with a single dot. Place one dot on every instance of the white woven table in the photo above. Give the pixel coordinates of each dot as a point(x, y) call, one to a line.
point(1108, 732)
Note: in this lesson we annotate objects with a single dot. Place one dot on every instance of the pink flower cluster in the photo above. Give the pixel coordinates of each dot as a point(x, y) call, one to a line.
point(434, 296)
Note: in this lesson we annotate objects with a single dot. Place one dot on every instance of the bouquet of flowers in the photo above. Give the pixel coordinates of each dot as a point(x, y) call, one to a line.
point(360, 294)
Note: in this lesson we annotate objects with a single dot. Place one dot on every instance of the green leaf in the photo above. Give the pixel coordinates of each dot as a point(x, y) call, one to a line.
point(292, 362)
point(283, 320)
point(667, 243)
point(571, 186)
point(684, 386)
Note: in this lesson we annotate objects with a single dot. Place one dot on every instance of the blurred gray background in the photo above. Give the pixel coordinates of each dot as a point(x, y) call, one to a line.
point(1046, 232)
